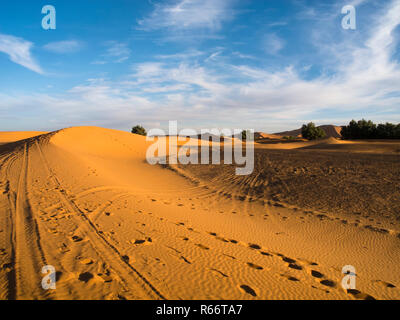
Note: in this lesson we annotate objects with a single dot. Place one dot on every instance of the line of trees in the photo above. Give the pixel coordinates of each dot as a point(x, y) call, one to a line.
point(364, 129)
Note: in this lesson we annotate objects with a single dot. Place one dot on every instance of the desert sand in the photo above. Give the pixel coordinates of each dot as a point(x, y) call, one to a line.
point(85, 201)
point(11, 136)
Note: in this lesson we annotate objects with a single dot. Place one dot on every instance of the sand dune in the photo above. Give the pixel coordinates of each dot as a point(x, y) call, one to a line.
point(85, 201)
point(263, 135)
point(12, 136)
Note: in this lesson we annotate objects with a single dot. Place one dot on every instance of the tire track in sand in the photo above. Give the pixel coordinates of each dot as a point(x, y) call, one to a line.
point(27, 255)
point(127, 273)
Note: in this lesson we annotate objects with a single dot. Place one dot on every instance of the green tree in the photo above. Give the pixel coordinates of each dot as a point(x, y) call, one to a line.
point(386, 131)
point(311, 132)
point(139, 130)
point(244, 135)
point(397, 132)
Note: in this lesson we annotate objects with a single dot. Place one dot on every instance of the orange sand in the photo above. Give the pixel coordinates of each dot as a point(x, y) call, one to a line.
point(85, 201)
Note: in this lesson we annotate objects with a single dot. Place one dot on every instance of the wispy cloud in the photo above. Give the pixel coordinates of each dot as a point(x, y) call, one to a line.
point(19, 51)
point(272, 43)
point(188, 14)
point(66, 46)
point(243, 56)
point(214, 56)
point(116, 52)
point(277, 24)
point(182, 55)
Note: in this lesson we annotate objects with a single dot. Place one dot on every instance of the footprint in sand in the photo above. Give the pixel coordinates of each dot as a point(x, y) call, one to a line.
point(288, 260)
point(186, 260)
point(85, 277)
point(254, 266)
point(221, 239)
point(295, 266)
point(328, 283)
point(229, 256)
point(316, 274)
point(141, 241)
point(289, 277)
point(138, 241)
point(86, 261)
point(247, 289)
point(385, 284)
point(7, 267)
point(220, 273)
point(254, 246)
point(360, 295)
point(76, 239)
point(125, 258)
point(63, 248)
point(202, 246)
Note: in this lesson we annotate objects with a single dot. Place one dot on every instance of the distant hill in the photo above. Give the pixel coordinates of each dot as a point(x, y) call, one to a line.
point(330, 130)
point(263, 135)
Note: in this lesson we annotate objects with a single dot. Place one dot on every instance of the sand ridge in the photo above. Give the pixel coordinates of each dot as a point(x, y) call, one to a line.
point(12, 136)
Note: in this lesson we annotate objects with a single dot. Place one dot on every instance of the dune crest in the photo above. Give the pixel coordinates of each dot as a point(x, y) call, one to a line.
point(12, 136)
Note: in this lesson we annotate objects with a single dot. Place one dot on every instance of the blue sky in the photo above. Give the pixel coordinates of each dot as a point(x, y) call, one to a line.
point(267, 65)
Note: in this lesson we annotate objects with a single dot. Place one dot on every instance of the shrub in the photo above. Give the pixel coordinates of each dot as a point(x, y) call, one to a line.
point(139, 130)
point(311, 132)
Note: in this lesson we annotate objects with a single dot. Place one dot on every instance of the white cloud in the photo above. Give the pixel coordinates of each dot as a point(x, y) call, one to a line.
point(148, 70)
point(188, 14)
point(66, 46)
point(19, 51)
point(365, 82)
